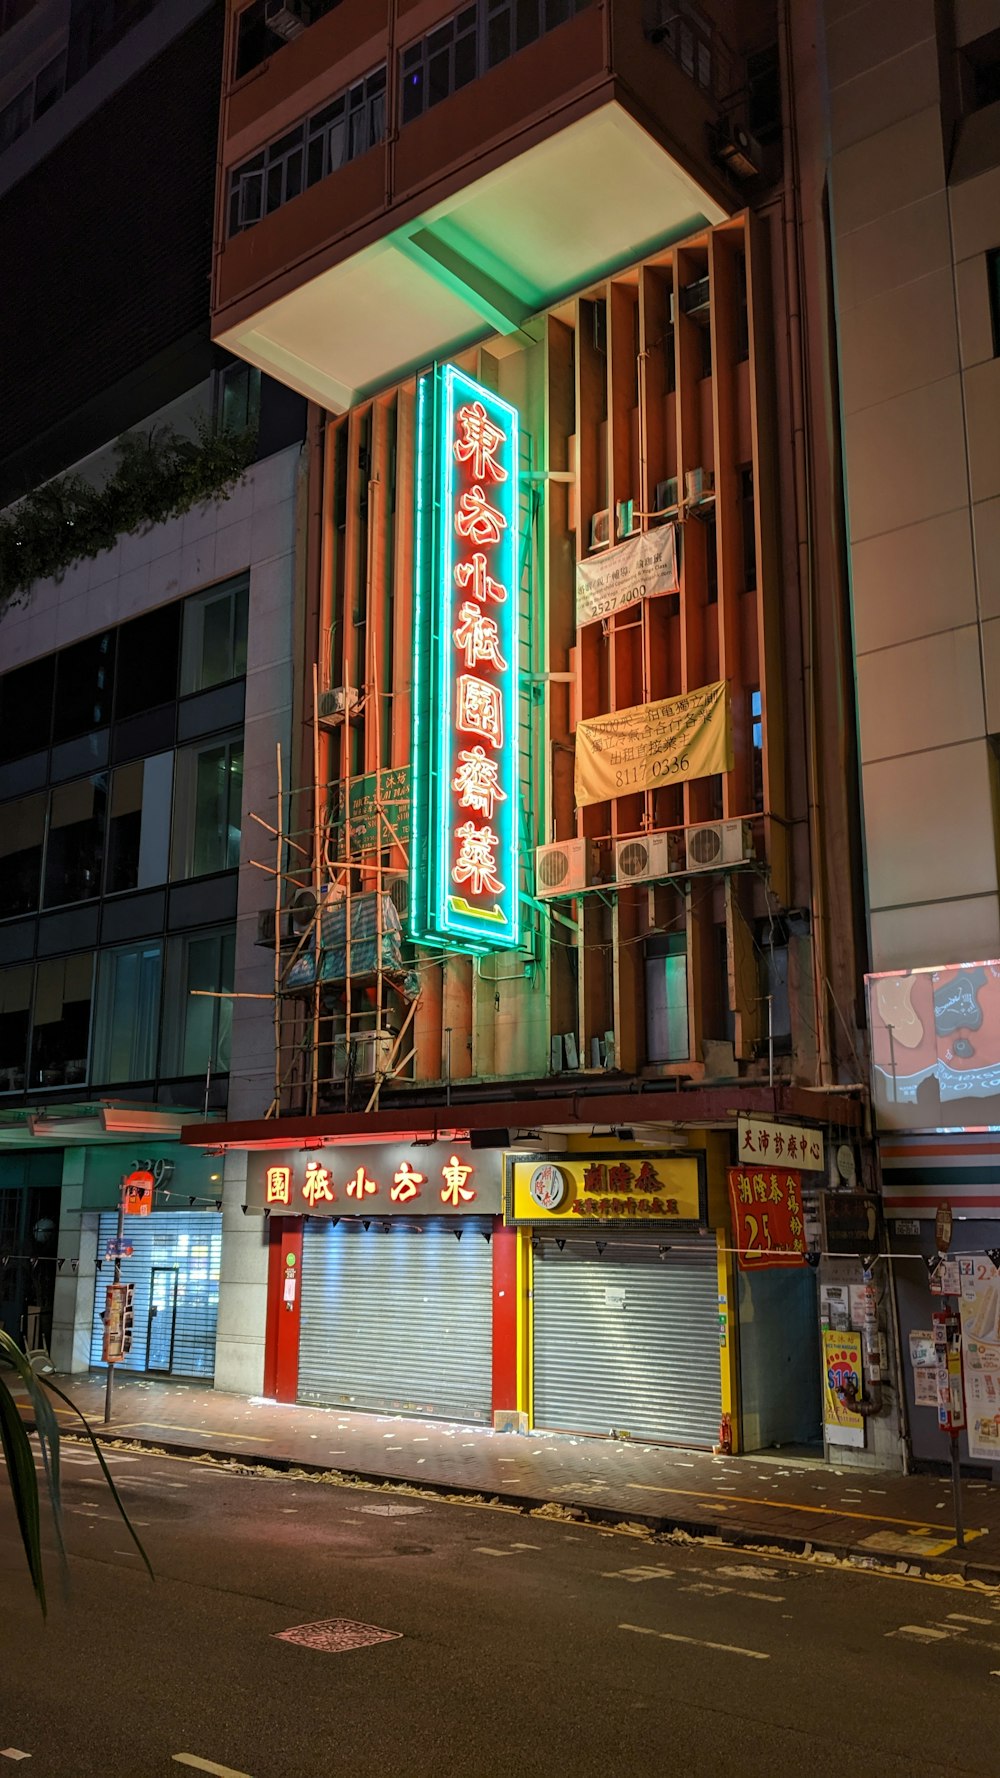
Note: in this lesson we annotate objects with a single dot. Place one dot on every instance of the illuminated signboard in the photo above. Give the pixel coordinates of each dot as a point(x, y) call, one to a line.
point(464, 831)
point(421, 1179)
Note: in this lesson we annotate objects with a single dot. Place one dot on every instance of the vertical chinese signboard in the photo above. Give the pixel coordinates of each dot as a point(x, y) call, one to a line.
point(464, 830)
point(768, 1220)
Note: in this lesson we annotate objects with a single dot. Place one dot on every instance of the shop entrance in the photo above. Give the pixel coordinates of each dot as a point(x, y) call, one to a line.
point(162, 1318)
point(174, 1265)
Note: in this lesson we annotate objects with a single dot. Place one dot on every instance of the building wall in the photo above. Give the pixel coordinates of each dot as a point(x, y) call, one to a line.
point(915, 199)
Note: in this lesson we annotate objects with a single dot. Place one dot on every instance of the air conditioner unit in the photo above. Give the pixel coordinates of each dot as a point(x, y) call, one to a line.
point(337, 704)
point(649, 858)
point(266, 927)
point(738, 151)
point(399, 890)
point(365, 1056)
point(695, 299)
point(718, 845)
point(698, 485)
point(665, 497)
point(287, 18)
point(565, 868)
point(625, 525)
point(600, 529)
point(303, 905)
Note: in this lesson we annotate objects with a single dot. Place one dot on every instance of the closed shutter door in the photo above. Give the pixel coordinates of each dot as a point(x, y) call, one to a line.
point(399, 1322)
point(627, 1340)
point(191, 1241)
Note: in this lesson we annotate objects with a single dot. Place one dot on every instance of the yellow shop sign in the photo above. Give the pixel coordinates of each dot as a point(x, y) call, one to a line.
point(605, 1188)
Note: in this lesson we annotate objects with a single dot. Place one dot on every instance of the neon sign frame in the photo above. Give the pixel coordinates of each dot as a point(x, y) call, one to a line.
point(464, 856)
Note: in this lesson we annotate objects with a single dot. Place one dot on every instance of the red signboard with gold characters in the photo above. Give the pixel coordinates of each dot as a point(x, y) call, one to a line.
point(768, 1224)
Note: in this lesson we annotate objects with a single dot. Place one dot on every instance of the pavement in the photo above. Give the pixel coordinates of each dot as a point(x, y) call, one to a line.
point(299, 1630)
point(873, 1517)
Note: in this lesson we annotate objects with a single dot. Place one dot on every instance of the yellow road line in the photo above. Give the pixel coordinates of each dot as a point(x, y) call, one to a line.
point(207, 1765)
point(789, 1506)
point(195, 1431)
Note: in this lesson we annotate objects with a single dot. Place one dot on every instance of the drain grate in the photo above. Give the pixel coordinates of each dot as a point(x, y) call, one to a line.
point(392, 1509)
point(336, 1635)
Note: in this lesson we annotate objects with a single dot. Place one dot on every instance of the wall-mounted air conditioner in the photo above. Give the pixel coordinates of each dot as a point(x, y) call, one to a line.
point(302, 910)
point(695, 299)
point(266, 927)
point(287, 18)
point(600, 529)
point(337, 704)
point(365, 1056)
point(698, 485)
point(737, 150)
point(718, 845)
point(665, 496)
point(564, 868)
point(649, 858)
point(625, 523)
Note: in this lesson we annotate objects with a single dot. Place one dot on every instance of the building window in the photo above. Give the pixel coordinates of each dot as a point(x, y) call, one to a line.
point(208, 808)
point(980, 72)
point(84, 675)
point(748, 526)
point(15, 1020)
point(148, 657)
point(26, 708)
point(60, 1026)
point(139, 824)
point(127, 1019)
point(756, 749)
point(214, 639)
point(667, 999)
point(685, 32)
point(22, 834)
point(342, 129)
point(197, 1004)
point(469, 44)
point(15, 118)
point(75, 849)
point(993, 274)
point(237, 396)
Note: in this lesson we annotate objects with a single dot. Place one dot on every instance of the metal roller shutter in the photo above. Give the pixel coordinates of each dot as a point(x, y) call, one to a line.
point(399, 1322)
point(191, 1242)
point(627, 1340)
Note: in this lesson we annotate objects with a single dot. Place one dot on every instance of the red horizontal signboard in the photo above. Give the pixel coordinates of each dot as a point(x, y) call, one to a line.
point(768, 1224)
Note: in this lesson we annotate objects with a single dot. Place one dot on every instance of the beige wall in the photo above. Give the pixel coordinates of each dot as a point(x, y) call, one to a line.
point(921, 417)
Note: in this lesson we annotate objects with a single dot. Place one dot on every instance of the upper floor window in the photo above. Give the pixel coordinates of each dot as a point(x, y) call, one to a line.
point(687, 34)
point(993, 274)
point(980, 72)
point(468, 45)
point(344, 128)
point(265, 26)
point(214, 635)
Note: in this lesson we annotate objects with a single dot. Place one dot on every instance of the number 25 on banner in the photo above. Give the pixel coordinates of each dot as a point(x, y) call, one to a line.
point(768, 1224)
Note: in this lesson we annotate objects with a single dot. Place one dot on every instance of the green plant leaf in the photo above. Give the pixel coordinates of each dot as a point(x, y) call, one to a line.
point(23, 1479)
point(47, 1383)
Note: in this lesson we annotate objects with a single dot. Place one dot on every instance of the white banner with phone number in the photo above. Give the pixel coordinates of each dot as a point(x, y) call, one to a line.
point(979, 1303)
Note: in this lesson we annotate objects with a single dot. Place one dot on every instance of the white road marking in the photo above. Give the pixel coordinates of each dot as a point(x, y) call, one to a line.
point(525, 1546)
point(920, 1633)
point(962, 1617)
point(637, 1574)
point(207, 1765)
point(482, 1549)
point(726, 1648)
point(13, 1753)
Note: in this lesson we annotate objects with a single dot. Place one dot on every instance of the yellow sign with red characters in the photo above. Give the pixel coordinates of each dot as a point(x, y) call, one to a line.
point(612, 1188)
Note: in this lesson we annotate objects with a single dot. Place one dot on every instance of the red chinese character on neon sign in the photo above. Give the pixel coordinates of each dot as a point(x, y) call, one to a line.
point(455, 1173)
point(476, 862)
point(406, 1183)
point(480, 709)
point(476, 519)
point(480, 638)
point(318, 1187)
point(278, 1185)
point(480, 441)
point(477, 782)
point(473, 577)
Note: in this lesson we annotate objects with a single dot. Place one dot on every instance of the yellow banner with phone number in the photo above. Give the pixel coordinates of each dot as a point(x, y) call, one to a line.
point(654, 744)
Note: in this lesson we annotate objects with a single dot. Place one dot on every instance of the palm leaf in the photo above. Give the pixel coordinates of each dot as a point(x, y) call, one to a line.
point(23, 1479)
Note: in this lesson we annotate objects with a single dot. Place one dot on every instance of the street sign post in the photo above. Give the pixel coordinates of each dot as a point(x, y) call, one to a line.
point(135, 1198)
point(943, 1223)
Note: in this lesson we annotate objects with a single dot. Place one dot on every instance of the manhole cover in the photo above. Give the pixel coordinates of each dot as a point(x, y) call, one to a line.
point(335, 1635)
point(392, 1509)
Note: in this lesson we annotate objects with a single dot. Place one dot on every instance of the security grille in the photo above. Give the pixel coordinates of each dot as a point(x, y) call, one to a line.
point(191, 1240)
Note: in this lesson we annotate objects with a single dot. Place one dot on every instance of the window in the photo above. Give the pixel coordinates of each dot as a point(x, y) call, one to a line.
point(685, 32)
point(214, 638)
point(127, 1019)
point(22, 833)
point(757, 749)
point(60, 1027)
point(208, 808)
point(26, 709)
point(344, 128)
point(50, 85)
point(748, 525)
point(148, 655)
point(75, 847)
point(15, 118)
point(468, 45)
point(993, 274)
point(197, 1024)
point(237, 397)
point(139, 824)
point(980, 72)
point(15, 1018)
point(84, 675)
point(667, 999)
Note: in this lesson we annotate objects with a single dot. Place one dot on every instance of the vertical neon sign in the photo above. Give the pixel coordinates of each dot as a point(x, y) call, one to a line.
point(464, 841)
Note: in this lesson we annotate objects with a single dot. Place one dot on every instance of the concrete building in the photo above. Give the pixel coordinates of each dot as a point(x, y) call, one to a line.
point(544, 273)
point(914, 205)
point(143, 687)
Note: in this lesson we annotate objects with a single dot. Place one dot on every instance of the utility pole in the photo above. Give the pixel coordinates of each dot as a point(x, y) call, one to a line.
point(117, 1280)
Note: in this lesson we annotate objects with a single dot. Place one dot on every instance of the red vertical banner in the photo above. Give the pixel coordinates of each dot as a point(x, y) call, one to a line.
point(768, 1224)
point(284, 1308)
point(505, 1314)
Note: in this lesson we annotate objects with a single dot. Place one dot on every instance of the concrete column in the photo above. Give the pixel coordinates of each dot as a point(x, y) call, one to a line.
point(239, 1345)
point(73, 1306)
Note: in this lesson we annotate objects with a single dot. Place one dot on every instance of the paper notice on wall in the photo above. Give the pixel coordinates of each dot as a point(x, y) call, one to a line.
point(979, 1306)
point(835, 1310)
point(925, 1385)
point(922, 1347)
point(864, 1305)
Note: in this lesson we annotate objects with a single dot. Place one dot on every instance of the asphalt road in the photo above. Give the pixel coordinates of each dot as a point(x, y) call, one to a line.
point(516, 1645)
